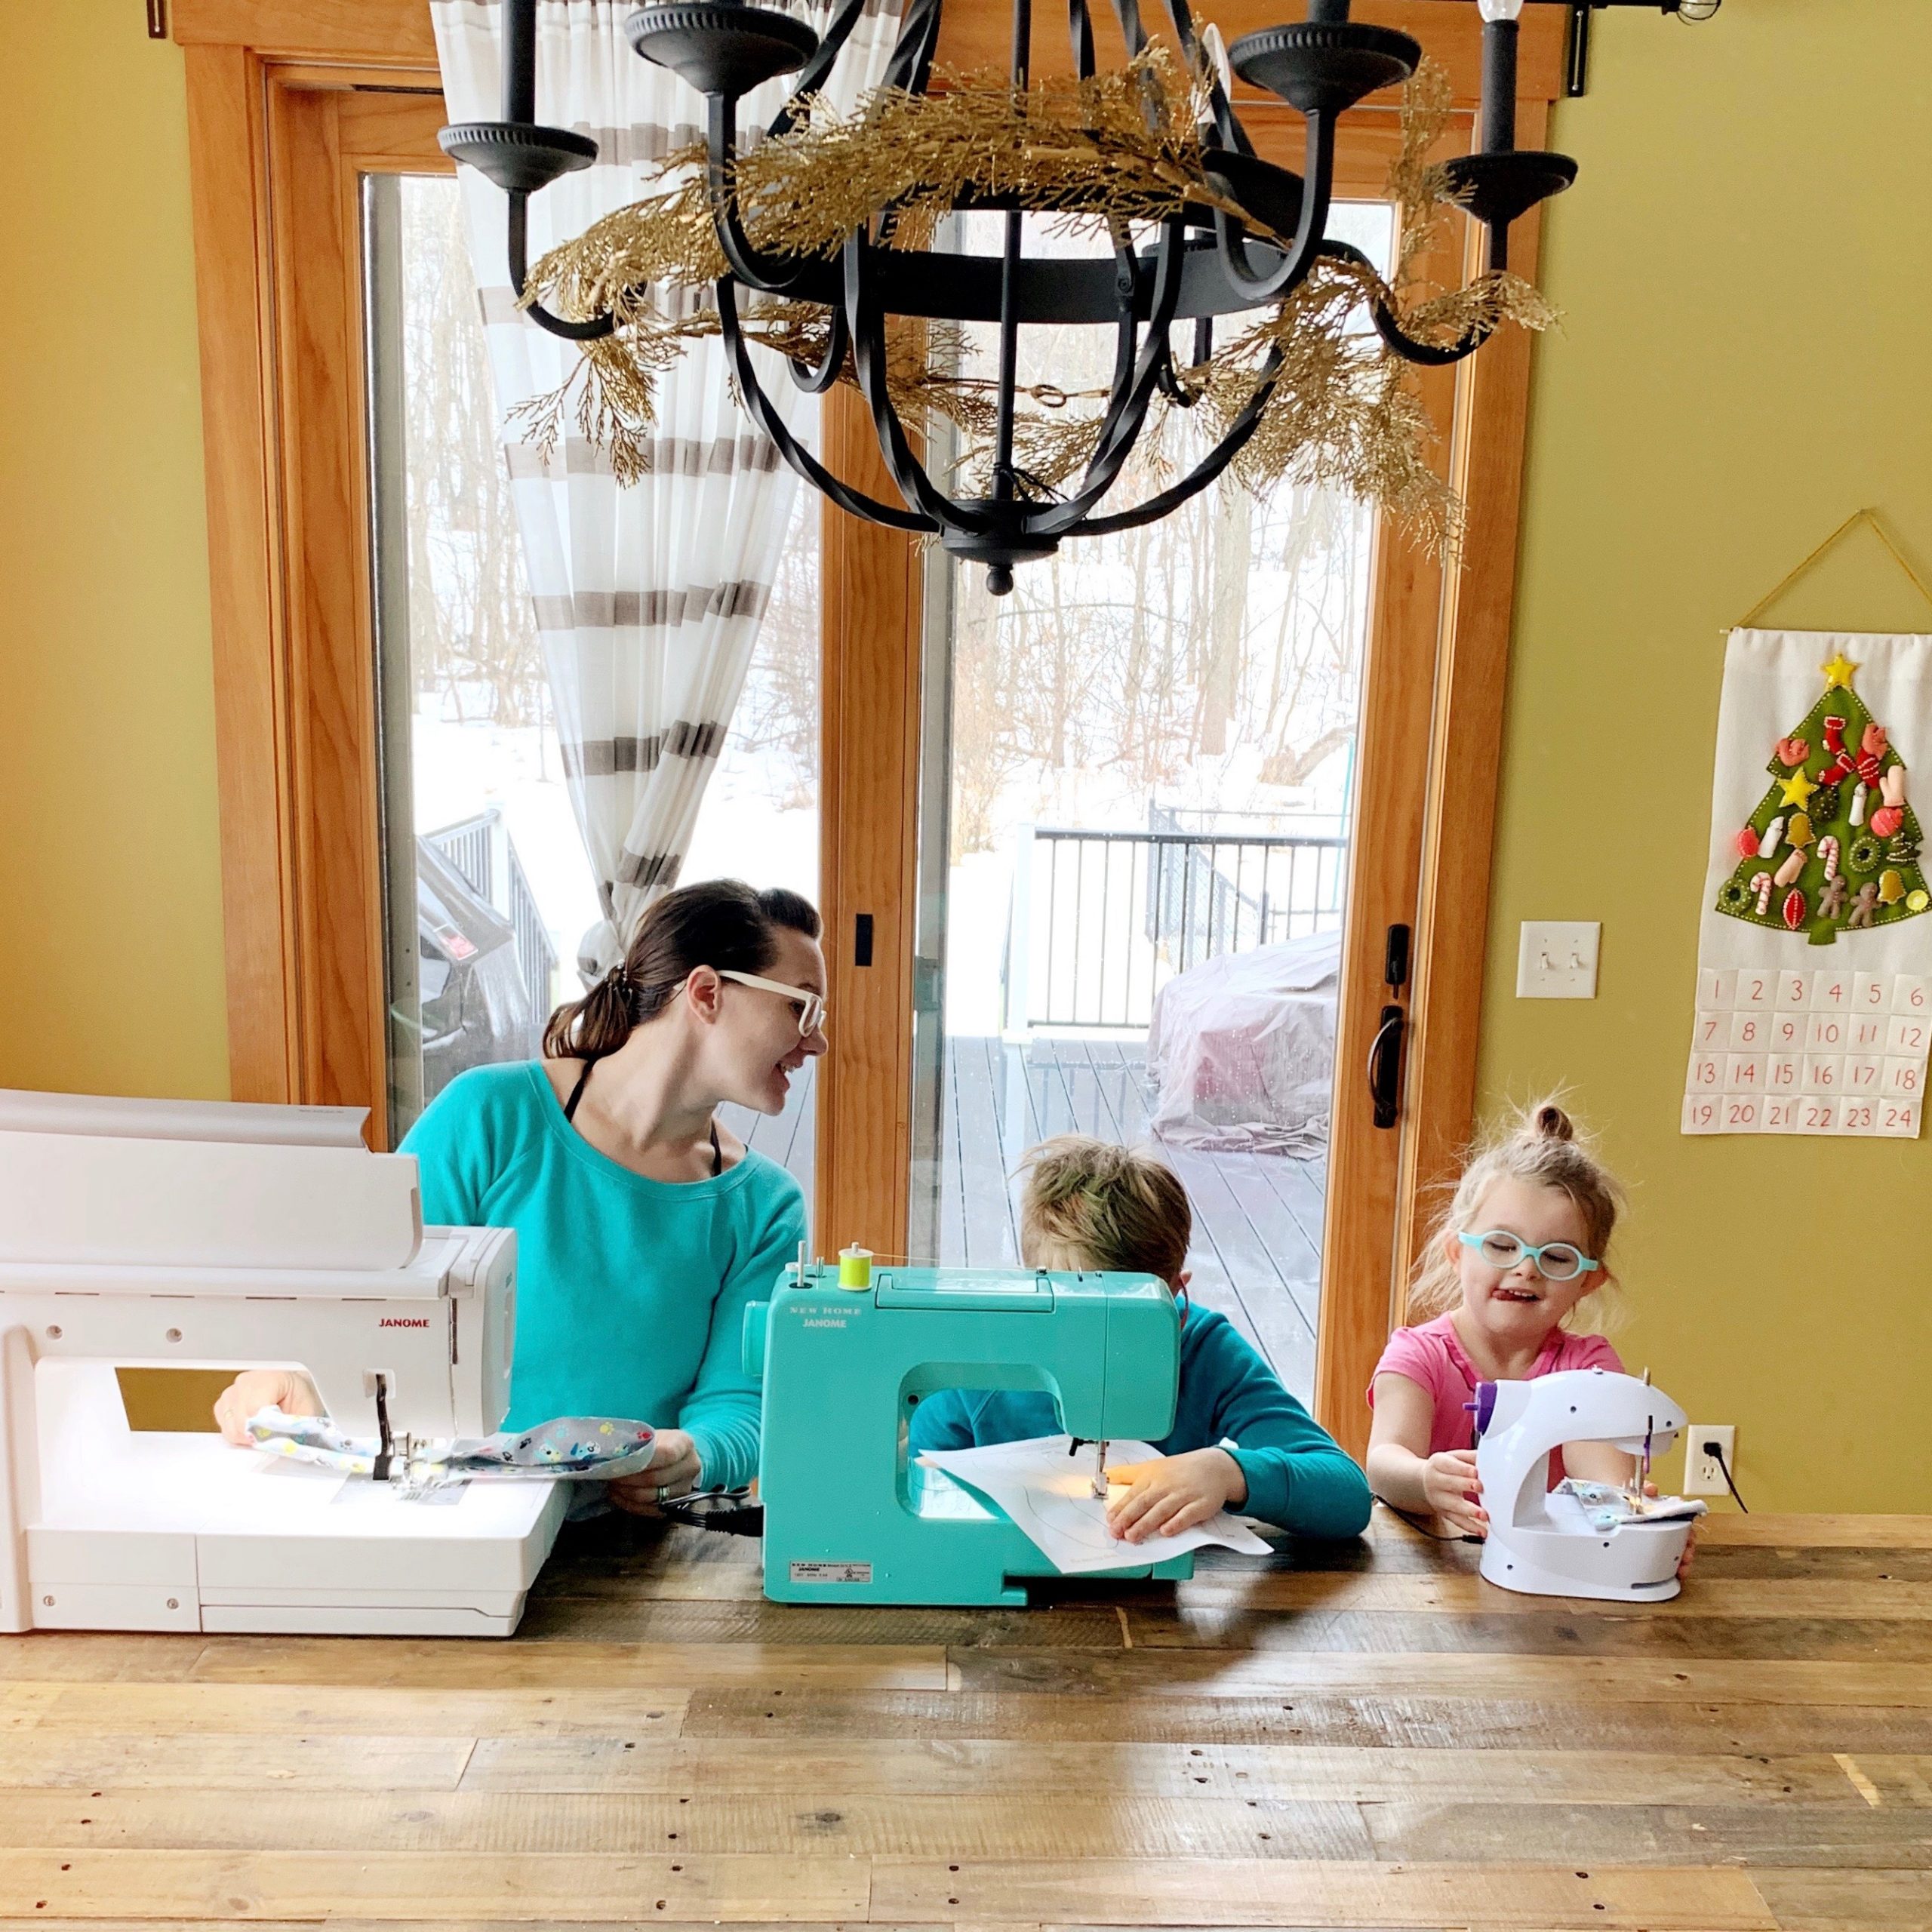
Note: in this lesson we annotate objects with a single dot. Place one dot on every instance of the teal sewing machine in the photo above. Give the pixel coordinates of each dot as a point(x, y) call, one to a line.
point(848, 1517)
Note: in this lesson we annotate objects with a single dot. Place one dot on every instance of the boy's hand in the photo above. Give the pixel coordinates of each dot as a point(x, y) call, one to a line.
point(1172, 1493)
point(1453, 1491)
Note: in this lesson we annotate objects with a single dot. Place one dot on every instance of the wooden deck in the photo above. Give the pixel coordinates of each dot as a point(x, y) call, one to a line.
point(1358, 1735)
point(1257, 1233)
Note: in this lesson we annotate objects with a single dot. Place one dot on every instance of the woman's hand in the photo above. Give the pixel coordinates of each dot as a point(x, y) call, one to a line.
point(1452, 1489)
point(255, 1389)
point(674, 1468)
point(1172, 1493)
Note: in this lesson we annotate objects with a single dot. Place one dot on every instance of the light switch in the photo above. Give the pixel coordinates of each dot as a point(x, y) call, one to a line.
point(1558, 959)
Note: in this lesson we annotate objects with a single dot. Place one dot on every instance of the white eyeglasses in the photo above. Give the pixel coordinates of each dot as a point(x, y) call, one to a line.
point(811, 1006)
point(1556, 1260)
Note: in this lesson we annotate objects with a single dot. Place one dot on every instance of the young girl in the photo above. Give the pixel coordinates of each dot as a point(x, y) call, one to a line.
point(1508, 1277)
point(1091, 1207)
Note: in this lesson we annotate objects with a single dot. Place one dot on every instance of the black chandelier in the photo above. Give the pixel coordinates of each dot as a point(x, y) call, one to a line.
point(1202, 263)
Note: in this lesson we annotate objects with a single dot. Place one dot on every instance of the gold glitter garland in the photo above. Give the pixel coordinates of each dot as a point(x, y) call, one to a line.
point(1124, 146)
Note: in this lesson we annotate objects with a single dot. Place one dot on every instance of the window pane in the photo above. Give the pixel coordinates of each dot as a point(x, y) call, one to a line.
point(488, 887)
point(1139, 773)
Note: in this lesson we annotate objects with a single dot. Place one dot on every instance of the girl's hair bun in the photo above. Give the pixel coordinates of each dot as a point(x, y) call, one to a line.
point(1547, 1121)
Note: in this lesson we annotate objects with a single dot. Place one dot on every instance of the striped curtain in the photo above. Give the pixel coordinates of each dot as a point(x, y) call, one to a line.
point(648, 599)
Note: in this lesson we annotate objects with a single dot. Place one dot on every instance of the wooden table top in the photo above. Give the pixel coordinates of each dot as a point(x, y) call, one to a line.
point(1368, 1736)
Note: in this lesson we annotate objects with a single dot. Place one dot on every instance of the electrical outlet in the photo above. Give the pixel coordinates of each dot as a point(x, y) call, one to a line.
point(1557, 959)
point(1703, 1476)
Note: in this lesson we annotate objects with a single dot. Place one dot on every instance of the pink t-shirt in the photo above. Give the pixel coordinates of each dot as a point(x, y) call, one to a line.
point(1432, 1356)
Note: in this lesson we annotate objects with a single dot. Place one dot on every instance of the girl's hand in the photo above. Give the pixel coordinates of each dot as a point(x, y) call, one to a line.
point(255, 1389)
point(674, 1467)
point(1690, 1541)
point(1172, 1493)
point(1453, 1491)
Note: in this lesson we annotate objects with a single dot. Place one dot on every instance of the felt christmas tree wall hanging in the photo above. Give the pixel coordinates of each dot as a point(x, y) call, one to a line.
point(1833, 847)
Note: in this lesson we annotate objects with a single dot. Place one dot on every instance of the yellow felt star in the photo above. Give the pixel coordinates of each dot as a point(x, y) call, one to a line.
point(1797, 789)
point(1837, 672)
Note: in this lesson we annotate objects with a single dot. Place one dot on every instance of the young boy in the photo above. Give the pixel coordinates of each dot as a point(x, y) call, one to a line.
point(1092, 1207)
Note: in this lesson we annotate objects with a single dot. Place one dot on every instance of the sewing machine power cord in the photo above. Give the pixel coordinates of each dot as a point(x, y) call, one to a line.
point(1421, 1528)
point(732, 1512)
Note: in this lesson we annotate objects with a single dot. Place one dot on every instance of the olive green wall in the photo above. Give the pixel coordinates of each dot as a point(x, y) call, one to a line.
point(110, 885)
point(1745, 268)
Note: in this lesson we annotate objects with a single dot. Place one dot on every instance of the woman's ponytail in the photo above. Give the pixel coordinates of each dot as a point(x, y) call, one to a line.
point(722, 923)
point(598, 1024)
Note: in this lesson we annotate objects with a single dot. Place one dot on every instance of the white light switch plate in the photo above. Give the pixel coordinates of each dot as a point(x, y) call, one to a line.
point(1558, 959)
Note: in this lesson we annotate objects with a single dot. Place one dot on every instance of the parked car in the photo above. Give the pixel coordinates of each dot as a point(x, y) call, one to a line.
point(476, 1008)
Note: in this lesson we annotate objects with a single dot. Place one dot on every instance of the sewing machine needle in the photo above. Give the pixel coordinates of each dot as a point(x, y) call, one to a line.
point(1100, 1470)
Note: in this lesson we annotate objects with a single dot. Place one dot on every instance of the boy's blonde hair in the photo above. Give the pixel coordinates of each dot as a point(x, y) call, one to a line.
point(1540, 1144)
point(1088, 1205)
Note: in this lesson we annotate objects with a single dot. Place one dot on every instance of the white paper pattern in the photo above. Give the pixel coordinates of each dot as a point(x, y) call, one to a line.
point(1048, 1495)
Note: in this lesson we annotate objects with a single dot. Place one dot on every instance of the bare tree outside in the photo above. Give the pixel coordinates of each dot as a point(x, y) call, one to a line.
point(473, 642)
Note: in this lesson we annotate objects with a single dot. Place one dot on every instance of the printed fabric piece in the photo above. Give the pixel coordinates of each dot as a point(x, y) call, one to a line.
point(571, 1448)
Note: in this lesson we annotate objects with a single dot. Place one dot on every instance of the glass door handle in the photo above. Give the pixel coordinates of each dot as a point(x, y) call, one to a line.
point(1385, 1066)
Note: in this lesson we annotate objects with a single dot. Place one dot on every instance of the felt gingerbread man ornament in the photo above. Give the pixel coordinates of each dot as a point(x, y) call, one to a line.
point(1863, 905)
point(1830, 900)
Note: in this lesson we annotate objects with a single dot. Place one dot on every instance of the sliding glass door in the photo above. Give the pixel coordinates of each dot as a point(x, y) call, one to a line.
point(1139, 772)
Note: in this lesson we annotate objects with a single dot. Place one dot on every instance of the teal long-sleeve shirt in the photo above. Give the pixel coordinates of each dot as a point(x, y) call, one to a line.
point(631, 1293)
point(1298, 1479)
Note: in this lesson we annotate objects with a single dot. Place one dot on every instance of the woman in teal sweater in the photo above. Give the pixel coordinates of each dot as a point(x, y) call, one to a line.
point(643, 1228)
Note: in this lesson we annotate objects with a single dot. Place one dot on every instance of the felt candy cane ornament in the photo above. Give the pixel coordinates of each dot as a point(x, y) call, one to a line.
point(1828, 856)
point(1760, 884)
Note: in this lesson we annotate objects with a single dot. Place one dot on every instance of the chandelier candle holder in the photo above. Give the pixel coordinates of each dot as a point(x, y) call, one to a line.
point(817, 242)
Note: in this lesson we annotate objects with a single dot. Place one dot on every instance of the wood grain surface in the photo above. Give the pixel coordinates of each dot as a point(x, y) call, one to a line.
point(1365, 1735)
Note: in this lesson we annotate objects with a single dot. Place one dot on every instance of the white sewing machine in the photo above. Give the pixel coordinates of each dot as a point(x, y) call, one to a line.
point(200, 1235)
point(1546, 1542)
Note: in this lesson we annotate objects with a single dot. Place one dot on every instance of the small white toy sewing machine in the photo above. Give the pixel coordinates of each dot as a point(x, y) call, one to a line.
point(1551, 1543)
point(206, 1235)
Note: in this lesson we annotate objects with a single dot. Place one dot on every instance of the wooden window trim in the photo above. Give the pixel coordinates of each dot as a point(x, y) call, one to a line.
point(974, 34)
point(275, 226)
point(244, 59)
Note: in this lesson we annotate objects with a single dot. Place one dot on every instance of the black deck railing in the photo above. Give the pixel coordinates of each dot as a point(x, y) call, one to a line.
point(1101, 919)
